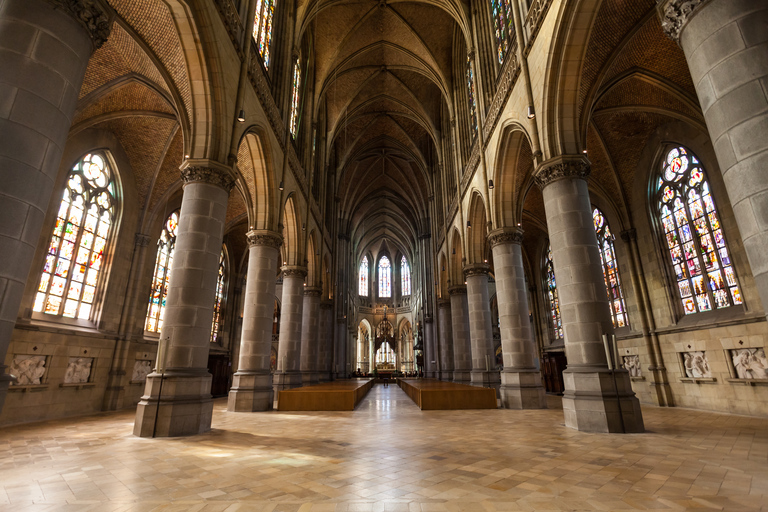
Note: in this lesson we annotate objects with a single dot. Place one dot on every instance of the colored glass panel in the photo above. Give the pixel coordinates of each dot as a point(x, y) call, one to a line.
point(295, 96)
point(405, 277)
point(262, 28)
point(385, 277)
point(610, 269)
point(554, 302)
point(362, 288)
point(86, 207)
point(471, 97)
point(162, 275)
point(503, 27)
point(217, 302)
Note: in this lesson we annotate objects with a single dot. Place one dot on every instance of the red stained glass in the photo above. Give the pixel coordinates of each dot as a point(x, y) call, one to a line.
point(161, 276)
point(610, 270)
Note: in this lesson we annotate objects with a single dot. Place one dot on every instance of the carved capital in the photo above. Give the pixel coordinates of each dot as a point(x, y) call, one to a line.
point(264, 237)
point(505, 236)
point(294, 271)
point(94, 16)
point(141, 240)
point(204, 171)
point(628, 235)
point(561, 168)
point(674, 15)
point(443, 303)
point(459, 289)
point(312, 291)
point(477, 269)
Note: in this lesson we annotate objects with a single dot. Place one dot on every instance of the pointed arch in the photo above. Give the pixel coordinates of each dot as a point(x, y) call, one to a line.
point(254, 162)
point(291, 233)
point(477, 231)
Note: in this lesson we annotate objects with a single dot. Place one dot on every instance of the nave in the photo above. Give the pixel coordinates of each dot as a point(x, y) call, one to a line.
point(387, 455)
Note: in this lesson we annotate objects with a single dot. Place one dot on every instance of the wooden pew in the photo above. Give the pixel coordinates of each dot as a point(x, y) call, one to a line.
point(436, 395)
point(340, 395)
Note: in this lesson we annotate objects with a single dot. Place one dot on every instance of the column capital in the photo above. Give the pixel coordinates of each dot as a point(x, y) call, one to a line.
point(312, 291)
point(207, 171)
point(443, 303)
point(294, 271)
point(428, 319)
point(561, 167)
point(628, 235)
point(505, 236)
point(141, 240)
point(476, 269)
point(264, 237)
point(458, 289)
point(674, 15)
point(95, 16)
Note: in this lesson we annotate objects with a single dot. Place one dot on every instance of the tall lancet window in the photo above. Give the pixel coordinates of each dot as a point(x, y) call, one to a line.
point(471, 96)
point(262, 28)
point(216, 324)
point(610, 269)
point(75, 253)
point(362, 287)
point(504, 27)
point(385, 277)
point(405, 277)
point(295, 97)
point(554, 302)
point(701, 262)
point(163, 263)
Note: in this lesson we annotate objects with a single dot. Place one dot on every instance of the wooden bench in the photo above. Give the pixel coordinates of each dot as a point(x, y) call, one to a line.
point(340, 395)
point(436, 395)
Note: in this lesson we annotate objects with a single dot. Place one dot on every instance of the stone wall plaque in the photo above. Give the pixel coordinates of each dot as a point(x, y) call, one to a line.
point(749, 363)
point(141, 368)
point(78, 370)
point(632, 365)
point(696, 365)
point(29, 370)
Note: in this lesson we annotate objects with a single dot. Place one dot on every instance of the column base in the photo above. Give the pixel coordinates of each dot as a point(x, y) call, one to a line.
point(522, 389)
point(5, 381)
point(486, 379)
point(309, 378)
point(286, 380)
point(461, 376)
point(186, 407)
point(591, 402)
point(251, 392)
point(324, 377)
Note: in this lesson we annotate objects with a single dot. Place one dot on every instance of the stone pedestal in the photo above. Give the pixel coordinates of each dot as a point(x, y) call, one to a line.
point(252, 383)
point(462, 351)
point(521, 386)
point(725, 45)
point(288, 374)
point(44, 48)
point(446, 339)
point(185, 404)
point(484, 372)
point(592, 392)
point(310, 335)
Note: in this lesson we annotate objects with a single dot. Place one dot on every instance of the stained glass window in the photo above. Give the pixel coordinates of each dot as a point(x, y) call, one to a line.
point(701, 263)
point(163, 263)
point(262, 28)
point(362, 289)
point(554, 302)
point(610, 269)
point(295, 98)
point(385, 277)
point(217, 302)
point(405, 277)
point(503, 26)
point(472, 99)
point(76, 249)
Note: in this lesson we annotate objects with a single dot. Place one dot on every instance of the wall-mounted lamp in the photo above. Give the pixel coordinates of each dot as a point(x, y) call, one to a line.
point(241, 116)
point(303, 227)
point(454, 251)
point(490, 184)
point(584, 151)
point(531, 112)
point(281, 186)
point(469, 224)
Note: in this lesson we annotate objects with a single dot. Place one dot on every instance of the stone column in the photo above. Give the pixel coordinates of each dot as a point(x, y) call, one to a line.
point(325, 357)
point(725, 45)
point(288, 374)
point(446, 339)
point(430, 352)
point(596, 399)
point(481, 326)
point(310, 335)
point(521, 386)
point(185, 404)
point(339, 349)
point(44, 49)
point(252, 383)
point(462, 350)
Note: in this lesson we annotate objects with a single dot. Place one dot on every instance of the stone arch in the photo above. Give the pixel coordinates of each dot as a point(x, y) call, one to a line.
point(254, 162)
point(443, 276)
point(325, 277)
point(456, 271)
point(477, 231)
point(313, 274)
point(513, 169)
point(291, 233)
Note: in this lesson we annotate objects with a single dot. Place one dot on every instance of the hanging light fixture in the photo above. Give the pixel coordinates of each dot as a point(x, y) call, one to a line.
point(531, 112)
point(281, 186)
point(490, 184)
point(469, 224)
point(241, 116)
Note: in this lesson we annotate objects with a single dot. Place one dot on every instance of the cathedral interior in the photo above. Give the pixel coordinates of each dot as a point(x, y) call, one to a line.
point(207, 203)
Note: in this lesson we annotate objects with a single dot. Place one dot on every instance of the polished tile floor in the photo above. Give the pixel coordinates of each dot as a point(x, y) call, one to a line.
point(388, 455)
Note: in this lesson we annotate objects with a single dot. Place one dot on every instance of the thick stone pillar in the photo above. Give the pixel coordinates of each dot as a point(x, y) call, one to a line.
point(596, 399)
point(252, 383)
point(521, 386)
point(185, 405)
point(430, 346)
point(446, 338)
point(325, 357)
point(726, 48)
point(44, 49)
point(340, 349)
point(462, 350)
point(288, 373)
point(310, 335)
point(484, 372)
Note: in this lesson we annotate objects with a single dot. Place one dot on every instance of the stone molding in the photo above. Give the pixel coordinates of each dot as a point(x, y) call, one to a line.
point(207, 172)
point(477, 269)
point(459, 289)
point(628, 235)
point(294, 271)
point(561, 168)
point(263, 237)
point(505, 236)
point(312, 291)
point(93, 15)
point(141, 240)
point(674, 15)
point(326, 305)
point(428, 319)
point(443, 303)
